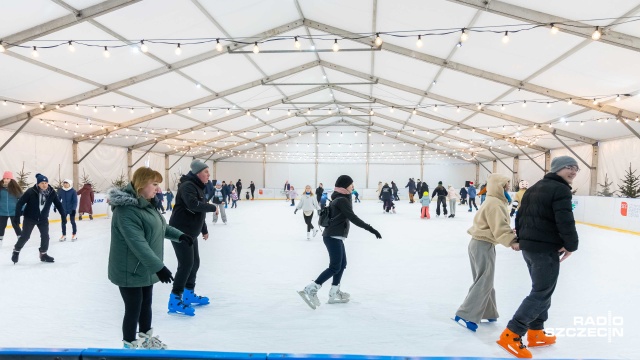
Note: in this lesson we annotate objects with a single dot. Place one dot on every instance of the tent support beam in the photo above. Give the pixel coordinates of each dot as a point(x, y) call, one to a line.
point(503, 163)
point(573, 152)
point(15, 133)
point(177, 161)
point(530, 158)
point(593, 186)
point(90, 150)
point(145, 153)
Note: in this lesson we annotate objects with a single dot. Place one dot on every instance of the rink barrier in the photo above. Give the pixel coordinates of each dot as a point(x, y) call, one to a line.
point(122, 354)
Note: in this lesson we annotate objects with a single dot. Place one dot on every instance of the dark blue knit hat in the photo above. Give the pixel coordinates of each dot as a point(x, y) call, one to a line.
point(40, 178)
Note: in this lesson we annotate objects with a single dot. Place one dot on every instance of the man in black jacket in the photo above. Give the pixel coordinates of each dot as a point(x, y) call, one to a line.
point(341, 216)
point(547, 236)
point(319, 192)
point(188, 216)
point(442, 193)
point(239, 189)
point(38, 200)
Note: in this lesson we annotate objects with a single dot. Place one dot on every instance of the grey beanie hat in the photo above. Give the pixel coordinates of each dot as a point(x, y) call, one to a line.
point(197, 166)
point(560, 162)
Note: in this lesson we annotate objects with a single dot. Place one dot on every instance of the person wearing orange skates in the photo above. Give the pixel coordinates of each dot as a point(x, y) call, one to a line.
point(547, 236)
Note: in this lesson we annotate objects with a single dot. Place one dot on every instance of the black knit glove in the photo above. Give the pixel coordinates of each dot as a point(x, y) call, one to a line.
point(165, 275)
point(186, 238)
point(374, 232)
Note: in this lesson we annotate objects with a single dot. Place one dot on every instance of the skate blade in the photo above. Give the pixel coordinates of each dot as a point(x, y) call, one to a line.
point(463, 324)
point(180, 314)
point(338, 301)
point(541, 345)
point(508, 351)
point(304, 297)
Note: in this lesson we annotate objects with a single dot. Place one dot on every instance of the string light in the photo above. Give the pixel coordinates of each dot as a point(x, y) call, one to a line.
point(256, 49)
point(71, 47)
point(143, 47)
point(464, 36)
point(178, 50)
point(554, 29)
point(34, 53)
point(2, 49)
point(297, 43)
point(336, 47)
point(378, 41)
point(106, 52)
point(505, 38)
point(419, 42)
point(596, 34)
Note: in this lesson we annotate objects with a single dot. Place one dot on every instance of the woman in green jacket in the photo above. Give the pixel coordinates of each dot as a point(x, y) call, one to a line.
point(135, 257)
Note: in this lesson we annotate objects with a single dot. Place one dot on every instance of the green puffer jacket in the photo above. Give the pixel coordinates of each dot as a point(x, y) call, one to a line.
point(137, 239)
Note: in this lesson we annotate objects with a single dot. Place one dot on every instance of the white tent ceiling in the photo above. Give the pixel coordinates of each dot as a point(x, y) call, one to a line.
point(205, 100)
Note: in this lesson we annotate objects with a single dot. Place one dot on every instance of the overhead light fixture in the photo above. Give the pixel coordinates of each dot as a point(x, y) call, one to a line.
point(71, 47)
point(378, 40)
point(505, 38)
point(336, 47)
point(554, 29)
point(143, 47)
point(419, 42)
point(596, 34)
point(297, 43)
point(256, 49)
point(178, 50)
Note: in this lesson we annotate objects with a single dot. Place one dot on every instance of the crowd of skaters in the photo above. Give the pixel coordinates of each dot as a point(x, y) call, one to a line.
point(138, 230)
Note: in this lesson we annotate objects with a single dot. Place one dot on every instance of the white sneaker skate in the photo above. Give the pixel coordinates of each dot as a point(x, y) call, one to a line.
point(310, 295)
point(308, 235)
point(74, 237)
point(63, 238)
point(393, 210)
point(315, 232)
point(136, 344)
point(336, 296)
point(150, 342)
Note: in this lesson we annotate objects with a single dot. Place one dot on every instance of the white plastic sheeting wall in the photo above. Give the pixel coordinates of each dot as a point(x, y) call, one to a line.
point(614, 159)
point(103, 165)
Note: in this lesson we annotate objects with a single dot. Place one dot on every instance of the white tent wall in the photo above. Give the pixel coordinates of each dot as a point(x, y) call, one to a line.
point(245, 171)
point(582, 181)
point(103, 165)
point(52, 157)
point(484, 173)
point(297, 174)
point(614, 158)
point(153, 160)
point(181, 167)
point(502, 169)
point(400, 174)
point(528, 170)
point(449, 174)
point(329, 173)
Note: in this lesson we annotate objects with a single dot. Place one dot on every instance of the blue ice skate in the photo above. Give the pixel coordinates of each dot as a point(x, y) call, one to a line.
point(468, 324)
point(177, 306)
point(190, 298)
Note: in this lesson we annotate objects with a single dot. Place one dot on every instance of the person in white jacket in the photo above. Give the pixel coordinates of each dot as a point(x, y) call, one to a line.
point(308, 203)
point(453, 199)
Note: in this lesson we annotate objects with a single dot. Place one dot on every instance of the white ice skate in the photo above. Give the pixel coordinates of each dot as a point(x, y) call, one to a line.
point(150, 342)
point(74, 237)
point(336, 296)
point(315, 232)
point(136, 344)
point(63, 238)
point(310, 295)
point(308, 235)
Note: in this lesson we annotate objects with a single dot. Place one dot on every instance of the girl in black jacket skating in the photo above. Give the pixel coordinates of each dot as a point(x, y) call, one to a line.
point(341, 215)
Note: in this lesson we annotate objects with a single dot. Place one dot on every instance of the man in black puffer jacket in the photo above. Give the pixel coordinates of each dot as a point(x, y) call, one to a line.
point(547, 236)
point(188, 216)
point(341, 215)
point(441, 193)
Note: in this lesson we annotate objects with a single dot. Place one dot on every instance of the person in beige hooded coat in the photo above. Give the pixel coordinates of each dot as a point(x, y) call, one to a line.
point(491, 226)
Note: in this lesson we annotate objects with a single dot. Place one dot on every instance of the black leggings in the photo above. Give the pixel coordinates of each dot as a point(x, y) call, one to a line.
point(307, 219)
point(137, 310)
point(74, 228)
point(188, 265)
point(3, 225)
point(27, 228)
point(337, 261)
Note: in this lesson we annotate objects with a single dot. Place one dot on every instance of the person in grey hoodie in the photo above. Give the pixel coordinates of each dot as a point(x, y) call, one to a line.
point(308, 203)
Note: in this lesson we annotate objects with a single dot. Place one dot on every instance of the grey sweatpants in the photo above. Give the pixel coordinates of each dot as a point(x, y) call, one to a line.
point(480, 302)
point(452, 206)
point(223, 213)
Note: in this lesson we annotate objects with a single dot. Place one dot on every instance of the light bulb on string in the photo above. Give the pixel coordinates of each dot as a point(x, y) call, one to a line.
point(143, 47)
point(218, 45)
point(71, 47)
point(2, 49)
point(419, 42)
point(297, 43)
point(464, 36)
point(524, 103)
point(34, 52)
point(391, 109)
point(617, 97)
point(505, 38)
point(596, 34)
point(106, 52)
point(336, 47)
point(378, 40)
point(554, 29)
point(178, 50)
point(570, 101)
point(256, 49)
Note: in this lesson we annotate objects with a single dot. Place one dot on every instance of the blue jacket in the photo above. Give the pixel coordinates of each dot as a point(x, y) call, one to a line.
point(7, 203)
point(472, 192)
point(169, 196)
point(69, 200)
point(209, 190)
point(506, 194)
point(31, 198)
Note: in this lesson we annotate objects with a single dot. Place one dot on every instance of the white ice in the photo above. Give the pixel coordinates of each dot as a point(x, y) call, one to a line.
point(405, 288)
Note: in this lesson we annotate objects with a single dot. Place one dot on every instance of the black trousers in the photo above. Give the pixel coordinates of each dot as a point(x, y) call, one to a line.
point(72, 216)
point(544, 269)
point(337, 261)
point(27, 228)
point(159, 205)
point(443, 200)
point(307, 219)
point(252, 190)
point(386, 206)
point(188, 265)
point(169, 207)
point(3, 225)
point(473, 201)
point(239, 192)
point(137, 311)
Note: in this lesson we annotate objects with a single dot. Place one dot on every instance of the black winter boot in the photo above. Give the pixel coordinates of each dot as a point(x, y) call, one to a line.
point(45, 258)
point(14, 256)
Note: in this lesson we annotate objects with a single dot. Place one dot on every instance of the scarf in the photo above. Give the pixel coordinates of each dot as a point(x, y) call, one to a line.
point(342, 191)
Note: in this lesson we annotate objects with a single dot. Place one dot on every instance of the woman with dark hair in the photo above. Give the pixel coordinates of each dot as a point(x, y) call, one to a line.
point(341, 216)
point(136, 255)
point(10, 192)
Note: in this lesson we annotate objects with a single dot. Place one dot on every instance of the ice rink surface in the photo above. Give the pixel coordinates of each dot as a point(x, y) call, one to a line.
point(404, 289)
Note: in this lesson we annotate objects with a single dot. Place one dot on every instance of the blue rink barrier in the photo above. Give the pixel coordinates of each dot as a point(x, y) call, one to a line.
point(122, 354)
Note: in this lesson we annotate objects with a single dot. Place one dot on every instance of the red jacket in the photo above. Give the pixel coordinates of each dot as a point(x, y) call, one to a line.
point(86, 199)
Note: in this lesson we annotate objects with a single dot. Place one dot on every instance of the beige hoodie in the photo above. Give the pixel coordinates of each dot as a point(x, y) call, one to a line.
point(491, 222)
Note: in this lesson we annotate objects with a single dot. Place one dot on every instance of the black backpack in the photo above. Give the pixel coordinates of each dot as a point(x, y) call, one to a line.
point(324, 215)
